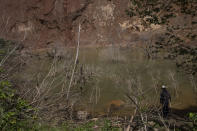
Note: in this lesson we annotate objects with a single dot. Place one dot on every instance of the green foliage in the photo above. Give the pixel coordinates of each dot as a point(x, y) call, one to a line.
point(193, 116)
point(89, 126)
point(108, 126)
point(103, 125)
point(15, 113)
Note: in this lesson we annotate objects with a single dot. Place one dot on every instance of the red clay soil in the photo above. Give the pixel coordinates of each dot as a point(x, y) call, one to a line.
point(54, 23)
point(42, 23)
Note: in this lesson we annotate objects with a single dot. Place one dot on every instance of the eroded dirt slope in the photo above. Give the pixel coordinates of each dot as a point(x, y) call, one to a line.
point(42, 23)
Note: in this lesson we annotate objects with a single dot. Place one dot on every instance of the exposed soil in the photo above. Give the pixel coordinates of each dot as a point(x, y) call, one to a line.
point(45, 23)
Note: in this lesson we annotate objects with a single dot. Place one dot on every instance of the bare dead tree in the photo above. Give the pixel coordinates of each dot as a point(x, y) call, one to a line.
point(8, 55)
point(137, 96)
point(76, 59)
point(155, 83)
point(174, 82)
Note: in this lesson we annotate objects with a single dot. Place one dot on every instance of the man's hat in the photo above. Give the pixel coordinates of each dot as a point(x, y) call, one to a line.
point(163, 87)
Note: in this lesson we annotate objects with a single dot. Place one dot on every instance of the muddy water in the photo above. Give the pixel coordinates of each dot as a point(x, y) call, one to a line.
point(116, 66)
point(114, 69)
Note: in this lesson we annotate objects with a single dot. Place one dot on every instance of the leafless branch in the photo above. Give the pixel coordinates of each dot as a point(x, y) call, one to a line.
point(76, 59)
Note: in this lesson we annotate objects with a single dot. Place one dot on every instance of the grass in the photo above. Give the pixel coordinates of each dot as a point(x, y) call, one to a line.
point(101, 125)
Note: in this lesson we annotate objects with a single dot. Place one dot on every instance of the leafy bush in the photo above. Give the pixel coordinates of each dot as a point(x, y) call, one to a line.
point(193, 117)
point(15, 113)
point(108, 126)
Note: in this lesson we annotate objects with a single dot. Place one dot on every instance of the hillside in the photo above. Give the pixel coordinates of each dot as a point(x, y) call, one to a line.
point(106, 76)
point(41, 23)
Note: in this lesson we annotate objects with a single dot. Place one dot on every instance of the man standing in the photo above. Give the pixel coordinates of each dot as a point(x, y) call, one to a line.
point(164, 100)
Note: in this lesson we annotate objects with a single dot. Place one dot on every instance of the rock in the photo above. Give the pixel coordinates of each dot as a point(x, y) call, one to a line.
point(82, 115)
point(151, 123)
point(94, 119)
point(95, 127)
point(57, 20)
point(156, 129)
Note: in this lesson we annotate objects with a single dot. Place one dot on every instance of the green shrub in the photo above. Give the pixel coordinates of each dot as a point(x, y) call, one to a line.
point(108, 126)
point(193, 116)
point(15, 113)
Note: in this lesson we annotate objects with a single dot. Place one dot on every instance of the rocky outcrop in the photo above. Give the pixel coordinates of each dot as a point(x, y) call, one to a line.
point(46, 23)
point(40, 22)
